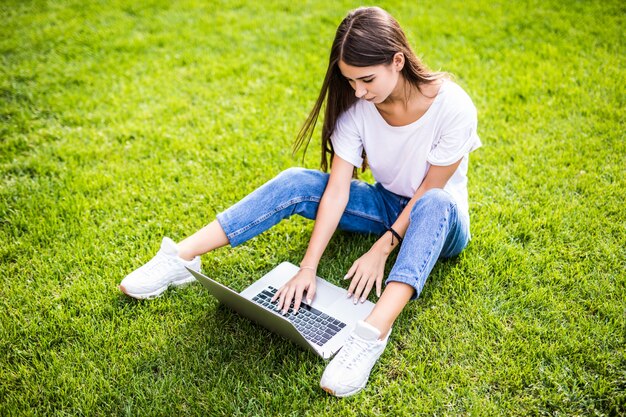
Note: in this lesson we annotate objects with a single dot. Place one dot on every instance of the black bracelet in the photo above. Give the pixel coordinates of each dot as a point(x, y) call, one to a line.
point(394, 233)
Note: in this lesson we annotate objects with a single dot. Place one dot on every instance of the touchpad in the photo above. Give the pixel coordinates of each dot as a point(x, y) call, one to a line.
point(326, 295)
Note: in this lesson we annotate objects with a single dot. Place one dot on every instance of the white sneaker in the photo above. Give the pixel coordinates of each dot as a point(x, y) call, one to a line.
point(349, 371)
point(165, 269)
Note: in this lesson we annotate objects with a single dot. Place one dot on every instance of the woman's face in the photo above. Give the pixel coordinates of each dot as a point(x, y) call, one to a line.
point(375, 83)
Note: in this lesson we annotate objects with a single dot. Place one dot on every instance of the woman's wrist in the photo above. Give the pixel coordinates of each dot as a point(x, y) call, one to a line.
point(395, 236)
point(308, 268)
point(386, 244)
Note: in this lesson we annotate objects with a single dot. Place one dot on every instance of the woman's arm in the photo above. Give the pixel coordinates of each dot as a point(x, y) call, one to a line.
point(331, 208)
point(370, 268)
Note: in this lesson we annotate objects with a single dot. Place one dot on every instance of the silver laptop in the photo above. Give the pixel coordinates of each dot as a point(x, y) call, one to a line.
point(321, 327)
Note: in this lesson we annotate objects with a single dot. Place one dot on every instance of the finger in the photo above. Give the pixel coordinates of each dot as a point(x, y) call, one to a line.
point(275, 297)
point(359, 289)
point(368, 288)
point(310, 292)
point(354, 283)
point(280, 295)
point(284, 299)
point(379, 286)
point(297, 300)
point(352, 270)
point(288, 298)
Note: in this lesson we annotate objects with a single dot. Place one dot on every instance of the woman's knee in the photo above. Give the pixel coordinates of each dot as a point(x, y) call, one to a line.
point(435, 200)
point(301, 181)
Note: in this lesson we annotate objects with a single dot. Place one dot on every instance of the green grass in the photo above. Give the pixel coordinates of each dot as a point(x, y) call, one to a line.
point(121, 122)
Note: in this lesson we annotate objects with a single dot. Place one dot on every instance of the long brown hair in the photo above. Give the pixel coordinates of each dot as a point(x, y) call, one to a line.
point(367, 36)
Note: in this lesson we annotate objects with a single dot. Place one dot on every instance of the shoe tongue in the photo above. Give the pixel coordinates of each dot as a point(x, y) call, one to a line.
point(169, 247)
point(366, 331)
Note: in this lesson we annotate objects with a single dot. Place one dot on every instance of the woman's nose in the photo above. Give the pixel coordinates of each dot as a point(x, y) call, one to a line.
point(359, 91)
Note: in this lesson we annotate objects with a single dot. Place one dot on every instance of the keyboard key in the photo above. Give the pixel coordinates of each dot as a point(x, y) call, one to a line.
point(333, 327)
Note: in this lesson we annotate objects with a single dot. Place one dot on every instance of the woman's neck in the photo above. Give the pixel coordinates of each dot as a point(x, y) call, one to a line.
point(402, 93)
point(410, 103)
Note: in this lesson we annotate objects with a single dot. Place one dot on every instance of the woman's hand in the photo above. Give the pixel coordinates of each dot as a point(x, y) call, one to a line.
point(366, 271)
point(294, 289)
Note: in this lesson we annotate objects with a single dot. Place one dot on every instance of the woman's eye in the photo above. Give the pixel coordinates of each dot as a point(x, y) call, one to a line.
point(368, 80)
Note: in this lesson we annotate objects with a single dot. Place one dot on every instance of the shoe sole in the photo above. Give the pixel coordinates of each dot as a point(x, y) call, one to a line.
point(158, 292)
point(347, 394)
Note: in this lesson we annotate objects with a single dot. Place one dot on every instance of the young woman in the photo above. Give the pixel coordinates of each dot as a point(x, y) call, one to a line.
point(416, 128)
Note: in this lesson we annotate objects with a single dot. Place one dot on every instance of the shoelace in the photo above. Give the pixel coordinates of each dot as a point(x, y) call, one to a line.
point(354, 349)
point(160, 264)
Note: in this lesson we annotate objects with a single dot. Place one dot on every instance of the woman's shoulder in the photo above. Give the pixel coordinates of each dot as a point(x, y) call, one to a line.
point(455, 100)
point(453, 92)
point(352, 119)
point(356, 113)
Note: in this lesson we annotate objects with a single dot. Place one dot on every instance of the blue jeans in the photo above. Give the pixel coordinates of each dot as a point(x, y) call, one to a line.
point(436, 229)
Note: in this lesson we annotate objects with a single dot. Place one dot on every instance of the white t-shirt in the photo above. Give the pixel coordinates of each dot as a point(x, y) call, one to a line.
point(400, 156)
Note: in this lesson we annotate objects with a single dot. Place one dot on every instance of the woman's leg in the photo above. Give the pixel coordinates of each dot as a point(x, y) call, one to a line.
point(294, 191)
point(210, 237)
point(394, 298)
point(435, 230)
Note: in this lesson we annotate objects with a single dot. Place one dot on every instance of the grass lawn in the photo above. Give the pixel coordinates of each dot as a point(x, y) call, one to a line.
point(122, 122)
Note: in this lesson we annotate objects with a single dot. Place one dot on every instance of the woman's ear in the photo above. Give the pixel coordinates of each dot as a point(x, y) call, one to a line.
point(398, 61)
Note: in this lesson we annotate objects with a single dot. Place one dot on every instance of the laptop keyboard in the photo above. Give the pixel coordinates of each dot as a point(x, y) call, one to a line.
point(310, 322)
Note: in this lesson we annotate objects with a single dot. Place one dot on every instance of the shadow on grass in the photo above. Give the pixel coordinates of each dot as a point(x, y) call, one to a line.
point(221, 362)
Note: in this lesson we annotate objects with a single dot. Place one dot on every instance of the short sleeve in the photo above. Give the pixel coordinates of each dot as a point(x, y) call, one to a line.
point(346, 140)
point(458, 137)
